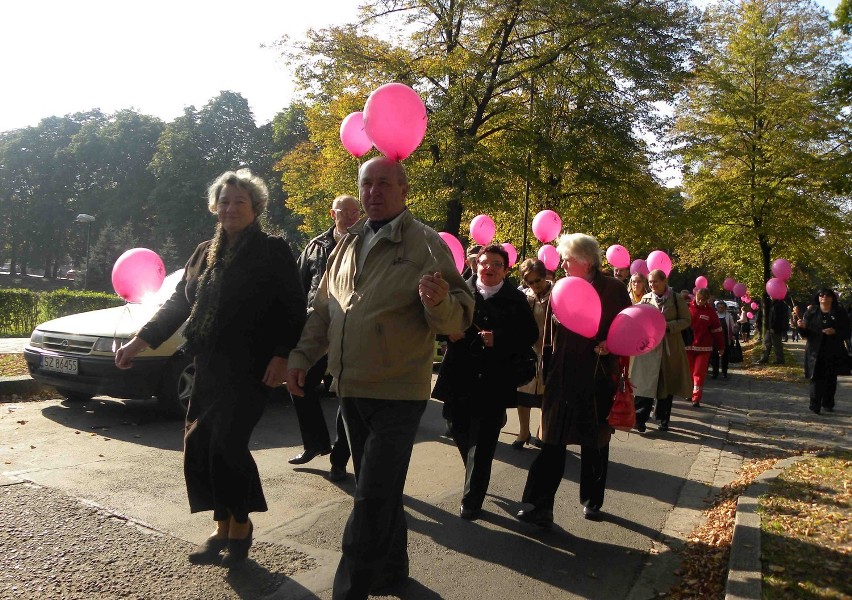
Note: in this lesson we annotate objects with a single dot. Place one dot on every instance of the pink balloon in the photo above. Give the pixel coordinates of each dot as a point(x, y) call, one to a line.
point(455, 248)
point(352, 135)
point(482, 229)
point(729, 284)
point(659, 260)
point(395, 120)
point(739, 289)
point(513, 254)
point(549, 255)
point(577, 305)
point(753, 305)
point(701, 281)
point(781, 269)
point(137, 273)
point(639, 266)
point(636, 330)
point(546, 226)
point(750, 315)
point(776, 288)
point(618, 256)
point(746, 299)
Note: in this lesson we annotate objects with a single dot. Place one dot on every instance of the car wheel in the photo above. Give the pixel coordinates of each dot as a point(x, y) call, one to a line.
point(74, 396)
point(176, 385)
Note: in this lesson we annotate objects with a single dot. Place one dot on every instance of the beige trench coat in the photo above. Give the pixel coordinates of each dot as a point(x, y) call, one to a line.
point(665, 370)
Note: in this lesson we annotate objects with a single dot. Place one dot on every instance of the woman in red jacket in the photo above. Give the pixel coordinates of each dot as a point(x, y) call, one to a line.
point(706, 330)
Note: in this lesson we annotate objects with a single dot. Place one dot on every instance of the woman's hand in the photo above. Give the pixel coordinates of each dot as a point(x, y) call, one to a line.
point(124, 356)
point(829, 331)
point(276, 372)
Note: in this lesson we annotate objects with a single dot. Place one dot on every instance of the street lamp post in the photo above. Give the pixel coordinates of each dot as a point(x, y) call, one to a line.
point(88, 220)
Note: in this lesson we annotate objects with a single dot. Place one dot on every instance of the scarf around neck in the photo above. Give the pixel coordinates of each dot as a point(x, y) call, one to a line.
point(202, 326)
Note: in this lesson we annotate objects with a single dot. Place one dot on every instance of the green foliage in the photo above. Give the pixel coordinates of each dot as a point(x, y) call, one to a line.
point(21, 310)
point(761, 140)
point(567, 88)
point(18, 312)
point(60, 303)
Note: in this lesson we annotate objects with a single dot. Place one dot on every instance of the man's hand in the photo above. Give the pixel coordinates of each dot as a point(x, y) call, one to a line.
point(433, 289)
point(296, 382)
point(276, 372)
point(124, 356)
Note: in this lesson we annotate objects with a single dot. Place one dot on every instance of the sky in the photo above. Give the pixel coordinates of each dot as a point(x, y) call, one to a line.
point(158, 56)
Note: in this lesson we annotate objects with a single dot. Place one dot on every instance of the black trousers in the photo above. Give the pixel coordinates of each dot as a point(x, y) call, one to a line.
point(309, 410)
point(822, 392)
point(662, 413)
point(475, 430)
point(340, 452)
point(773, 341)
point(716, 361)
point(548, 468)
point(375, 540)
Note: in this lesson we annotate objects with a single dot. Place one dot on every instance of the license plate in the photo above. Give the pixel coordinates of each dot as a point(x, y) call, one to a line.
point(59, 364)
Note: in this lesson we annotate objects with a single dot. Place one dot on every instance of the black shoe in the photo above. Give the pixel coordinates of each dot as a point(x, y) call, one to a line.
point(696, 404)
point(714, 376)
point(307, 456)
point(337, 473)
point(469, 514)
point(237, 550)
point(640, 427)
point(724, 375)
point(518, 444)
point(814, 410)
point(664, 426)
point(537, 516)
point(762, 361)
point(535, 442)
point(208, 552)
point(592, 513)
point(828, 408)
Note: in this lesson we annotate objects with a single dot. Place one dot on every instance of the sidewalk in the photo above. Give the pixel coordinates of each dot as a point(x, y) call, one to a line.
point(658, 486)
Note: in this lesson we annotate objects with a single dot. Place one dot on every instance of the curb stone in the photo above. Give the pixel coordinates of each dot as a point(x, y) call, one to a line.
point(21, 385)
point(744, 564)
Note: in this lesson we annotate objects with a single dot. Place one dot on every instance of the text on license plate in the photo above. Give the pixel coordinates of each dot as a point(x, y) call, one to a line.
point(59, 364)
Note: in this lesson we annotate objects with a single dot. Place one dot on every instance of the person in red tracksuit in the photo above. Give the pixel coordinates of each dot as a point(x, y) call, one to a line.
point(706, 330)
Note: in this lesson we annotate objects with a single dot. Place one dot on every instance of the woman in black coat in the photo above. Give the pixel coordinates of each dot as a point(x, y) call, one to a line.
point(245, 307)
point(825, 326)
point(476, 380)
point(578, 395)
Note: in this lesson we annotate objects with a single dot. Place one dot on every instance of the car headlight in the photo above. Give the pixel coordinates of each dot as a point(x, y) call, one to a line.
point(107, 344)
point(37, 339)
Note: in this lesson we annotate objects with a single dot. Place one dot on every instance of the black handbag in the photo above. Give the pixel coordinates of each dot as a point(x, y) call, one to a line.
point(524, 364)
point(735, 352)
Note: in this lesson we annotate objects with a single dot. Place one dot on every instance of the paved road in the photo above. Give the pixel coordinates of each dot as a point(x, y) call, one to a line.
point(124, 458)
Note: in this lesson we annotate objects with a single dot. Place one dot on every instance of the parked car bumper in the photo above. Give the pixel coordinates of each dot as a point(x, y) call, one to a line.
point(98, 375)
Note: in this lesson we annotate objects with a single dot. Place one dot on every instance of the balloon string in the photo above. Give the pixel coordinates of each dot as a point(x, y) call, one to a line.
point(126, 311)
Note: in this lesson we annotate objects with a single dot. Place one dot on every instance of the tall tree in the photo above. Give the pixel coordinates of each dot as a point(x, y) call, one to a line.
point(475, 62)
point(760, 140)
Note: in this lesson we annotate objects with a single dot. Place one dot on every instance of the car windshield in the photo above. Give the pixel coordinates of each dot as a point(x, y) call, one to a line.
point(166, 290)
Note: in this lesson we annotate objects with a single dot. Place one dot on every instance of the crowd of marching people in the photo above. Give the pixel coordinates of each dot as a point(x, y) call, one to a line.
point(364, 304)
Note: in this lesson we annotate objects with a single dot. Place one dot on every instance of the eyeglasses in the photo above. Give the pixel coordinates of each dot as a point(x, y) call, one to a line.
point(824, 294)
point(533, 282)
point(491, 265)
point(348, 213)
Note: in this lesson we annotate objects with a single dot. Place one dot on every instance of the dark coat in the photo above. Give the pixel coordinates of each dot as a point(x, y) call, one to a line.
point(825, 355)
point(312, 261)
point(261, 308)
point(779, 316)
point(482, 376)
point(580, 387)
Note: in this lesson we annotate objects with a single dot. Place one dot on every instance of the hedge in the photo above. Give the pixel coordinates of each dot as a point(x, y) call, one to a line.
point(21, 310)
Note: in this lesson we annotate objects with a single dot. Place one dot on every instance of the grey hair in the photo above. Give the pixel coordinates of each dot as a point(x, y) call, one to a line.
point(243, 179)
point(581, 247)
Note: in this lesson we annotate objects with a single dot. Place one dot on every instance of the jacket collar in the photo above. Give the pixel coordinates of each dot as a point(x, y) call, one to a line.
point(397, 225)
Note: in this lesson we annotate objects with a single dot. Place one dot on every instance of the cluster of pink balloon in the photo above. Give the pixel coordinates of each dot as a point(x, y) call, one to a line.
point(618, 256)
point(138, 273)
point(482, 231)
point(546, 226)
point(393, 120)
point(776, 287)
point(635, 330)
